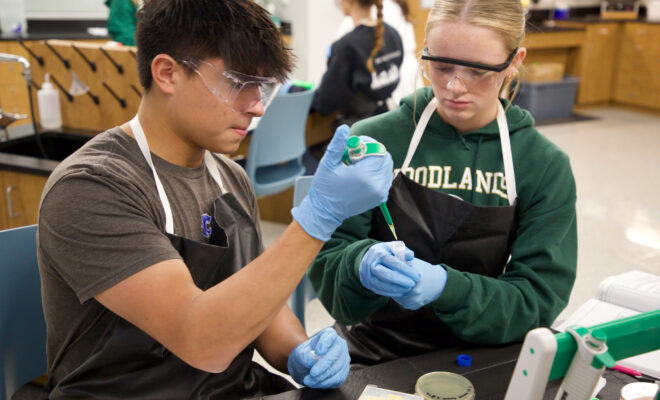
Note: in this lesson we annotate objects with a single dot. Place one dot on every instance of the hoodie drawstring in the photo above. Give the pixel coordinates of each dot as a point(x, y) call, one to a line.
point(474, 168)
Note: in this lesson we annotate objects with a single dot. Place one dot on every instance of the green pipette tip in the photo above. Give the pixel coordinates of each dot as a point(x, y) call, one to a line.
point(388, 218)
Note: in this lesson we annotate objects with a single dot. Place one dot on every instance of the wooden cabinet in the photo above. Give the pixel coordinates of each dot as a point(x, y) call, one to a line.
point(597, 60)
point(19, 200)
point(638, 74)
point(597, 63)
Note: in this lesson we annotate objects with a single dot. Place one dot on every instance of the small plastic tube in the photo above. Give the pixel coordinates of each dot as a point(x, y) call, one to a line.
point(399, 249)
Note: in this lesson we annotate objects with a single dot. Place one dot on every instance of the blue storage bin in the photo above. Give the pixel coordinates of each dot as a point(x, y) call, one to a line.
point(548, 100)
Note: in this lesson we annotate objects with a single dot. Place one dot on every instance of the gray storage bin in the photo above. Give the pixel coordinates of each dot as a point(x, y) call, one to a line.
point(548, 100)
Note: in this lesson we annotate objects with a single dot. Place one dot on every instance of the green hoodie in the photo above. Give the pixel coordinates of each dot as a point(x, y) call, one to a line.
point(121, 20)
point(541, 271)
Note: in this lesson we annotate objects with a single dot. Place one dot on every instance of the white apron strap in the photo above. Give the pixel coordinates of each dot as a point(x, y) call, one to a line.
point(141, 139)
point(209, 162)
point(505, 143)
point(212, 167)
point(419, 131)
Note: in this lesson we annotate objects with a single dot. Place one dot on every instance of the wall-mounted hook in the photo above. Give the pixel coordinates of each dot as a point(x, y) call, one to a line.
point(120, 69)
point(132, 53)
point(91, 64)
point(59, 86)
point(136, 90)
point(39, 59)
point(122, 102)
point(95, 99)
point(64, 60)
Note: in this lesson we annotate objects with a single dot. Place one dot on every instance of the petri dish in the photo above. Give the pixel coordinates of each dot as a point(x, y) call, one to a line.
point(444, 386)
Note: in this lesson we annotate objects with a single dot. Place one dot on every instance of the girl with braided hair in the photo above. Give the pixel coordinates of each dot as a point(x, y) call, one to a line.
point(396, 13)
point(363, 66)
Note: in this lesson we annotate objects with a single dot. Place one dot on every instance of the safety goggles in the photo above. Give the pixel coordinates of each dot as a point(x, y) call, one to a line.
point(473, 75)
point(239, 91)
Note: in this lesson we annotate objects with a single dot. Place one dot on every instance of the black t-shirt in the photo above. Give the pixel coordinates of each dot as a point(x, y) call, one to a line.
point(347, 86)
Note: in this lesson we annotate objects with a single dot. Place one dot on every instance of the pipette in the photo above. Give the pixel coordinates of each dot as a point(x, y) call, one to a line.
point(356, 149)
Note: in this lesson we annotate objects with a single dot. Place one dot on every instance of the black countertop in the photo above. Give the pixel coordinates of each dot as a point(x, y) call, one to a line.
point(32, 165)
point(58, 29)
point(540, 27)
point(490, 374)
point(597, 19)
point(51, 36)
point(27, 165)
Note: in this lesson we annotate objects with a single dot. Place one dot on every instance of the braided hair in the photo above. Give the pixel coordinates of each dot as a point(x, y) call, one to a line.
point(379, 31)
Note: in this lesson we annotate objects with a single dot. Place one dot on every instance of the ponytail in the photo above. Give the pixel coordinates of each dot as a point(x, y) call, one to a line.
point(379, 35)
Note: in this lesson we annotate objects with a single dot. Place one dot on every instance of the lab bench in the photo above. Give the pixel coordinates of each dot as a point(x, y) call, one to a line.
point(490, 372)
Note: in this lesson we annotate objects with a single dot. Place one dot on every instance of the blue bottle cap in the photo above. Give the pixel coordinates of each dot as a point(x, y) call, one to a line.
point(464, 360)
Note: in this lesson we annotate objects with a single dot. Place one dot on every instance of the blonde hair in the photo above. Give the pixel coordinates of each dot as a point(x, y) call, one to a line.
point(505, 17)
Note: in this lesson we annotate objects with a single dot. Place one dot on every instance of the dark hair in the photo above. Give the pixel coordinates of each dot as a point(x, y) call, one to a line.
point(238, 31)
point(379, 30)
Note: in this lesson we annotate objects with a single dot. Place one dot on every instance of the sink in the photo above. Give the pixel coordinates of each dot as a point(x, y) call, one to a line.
point(58, 145)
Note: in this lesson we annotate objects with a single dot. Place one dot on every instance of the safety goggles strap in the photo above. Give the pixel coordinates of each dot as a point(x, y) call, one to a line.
point(488, 67)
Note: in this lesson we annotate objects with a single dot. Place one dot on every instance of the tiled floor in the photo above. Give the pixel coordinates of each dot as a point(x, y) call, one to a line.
point(616, 163)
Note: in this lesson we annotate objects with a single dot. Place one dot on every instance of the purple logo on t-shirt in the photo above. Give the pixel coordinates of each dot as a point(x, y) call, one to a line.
point(206, 225)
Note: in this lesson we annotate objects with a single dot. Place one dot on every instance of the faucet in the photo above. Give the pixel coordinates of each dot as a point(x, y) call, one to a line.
point(7, 118)
point(4, 57)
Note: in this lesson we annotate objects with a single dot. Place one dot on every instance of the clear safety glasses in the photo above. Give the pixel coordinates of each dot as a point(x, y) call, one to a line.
point(239, 91)
point(473, 75)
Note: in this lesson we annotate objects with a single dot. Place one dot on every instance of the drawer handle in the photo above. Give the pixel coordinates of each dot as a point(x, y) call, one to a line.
point(10, 207)
point(604, 31)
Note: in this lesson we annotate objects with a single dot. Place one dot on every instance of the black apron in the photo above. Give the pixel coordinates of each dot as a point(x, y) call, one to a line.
point(125, 363)
point(439, 228)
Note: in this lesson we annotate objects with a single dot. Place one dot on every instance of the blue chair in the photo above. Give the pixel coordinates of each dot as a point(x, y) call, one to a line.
point(304, 292)
point(277, 145)
point(22, 325)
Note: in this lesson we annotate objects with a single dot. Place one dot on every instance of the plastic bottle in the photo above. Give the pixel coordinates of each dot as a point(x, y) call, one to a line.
point(48, 100)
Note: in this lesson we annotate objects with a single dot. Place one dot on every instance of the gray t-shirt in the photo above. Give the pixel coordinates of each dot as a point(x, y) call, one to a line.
point(101, 221)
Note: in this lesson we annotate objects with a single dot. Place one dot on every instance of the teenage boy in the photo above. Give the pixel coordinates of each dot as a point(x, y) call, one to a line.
point(155, 282)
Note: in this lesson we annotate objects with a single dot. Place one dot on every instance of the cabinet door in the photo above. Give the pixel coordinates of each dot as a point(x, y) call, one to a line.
point(20, 198)
point(638, 78)
point(598, 63)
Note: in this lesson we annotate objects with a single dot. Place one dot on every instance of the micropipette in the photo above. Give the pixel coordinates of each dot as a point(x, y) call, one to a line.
point(356, 149)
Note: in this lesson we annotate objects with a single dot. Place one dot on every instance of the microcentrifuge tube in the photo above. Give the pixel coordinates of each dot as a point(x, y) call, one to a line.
point(399, 249)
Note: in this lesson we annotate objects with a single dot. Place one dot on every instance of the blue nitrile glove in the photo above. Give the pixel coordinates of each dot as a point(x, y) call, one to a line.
point(340, 191)
point(385, 274)
point(326, 369)
point(429, 287)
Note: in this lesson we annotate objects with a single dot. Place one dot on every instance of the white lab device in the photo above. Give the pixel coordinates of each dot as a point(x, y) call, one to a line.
point(533, 367)
point(580, 354)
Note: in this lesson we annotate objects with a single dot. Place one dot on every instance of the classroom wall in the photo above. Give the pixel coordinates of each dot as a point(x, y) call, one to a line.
point(314, 26)
point(65, 9)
